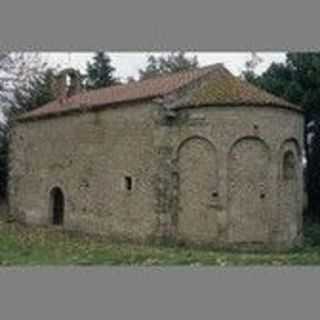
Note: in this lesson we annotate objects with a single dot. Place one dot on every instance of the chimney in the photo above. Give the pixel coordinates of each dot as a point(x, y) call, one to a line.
point(62, 89)
point(75, 83)
point(59, 85)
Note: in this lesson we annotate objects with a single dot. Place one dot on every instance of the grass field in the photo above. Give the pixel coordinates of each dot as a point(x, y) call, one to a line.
point(21, 245)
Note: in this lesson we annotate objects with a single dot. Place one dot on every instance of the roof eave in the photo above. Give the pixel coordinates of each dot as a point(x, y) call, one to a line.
point(82, 109)
point(243, 104)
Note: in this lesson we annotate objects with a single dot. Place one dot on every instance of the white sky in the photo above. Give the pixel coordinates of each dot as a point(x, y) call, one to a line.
point(129, 63)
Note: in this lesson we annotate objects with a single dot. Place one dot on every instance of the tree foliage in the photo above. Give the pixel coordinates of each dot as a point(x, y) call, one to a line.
point(25, 86)
point(100, 73)
point(174, 62)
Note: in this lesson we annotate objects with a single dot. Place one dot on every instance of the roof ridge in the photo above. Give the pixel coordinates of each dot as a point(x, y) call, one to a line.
point(157, 77)
point(224, 88)
point(86, 93)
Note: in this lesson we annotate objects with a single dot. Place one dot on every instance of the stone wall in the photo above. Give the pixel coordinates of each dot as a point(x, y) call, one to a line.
point(229, 162)
point(88, 156)
point(209, 175)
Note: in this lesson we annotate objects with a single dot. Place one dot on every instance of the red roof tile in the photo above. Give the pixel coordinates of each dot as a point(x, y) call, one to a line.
point(220, 88)
point(223, 88)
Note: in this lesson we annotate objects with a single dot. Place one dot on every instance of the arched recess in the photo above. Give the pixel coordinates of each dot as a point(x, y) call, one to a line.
point(289, 166)
point(198, 188)
point(290, 190)
point(57, 206)
point(248, 191)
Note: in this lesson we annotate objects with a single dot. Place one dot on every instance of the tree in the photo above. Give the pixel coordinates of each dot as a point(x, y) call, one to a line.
point(26, 85)
point(174, 62)
point(3, 160)
point(298, 81)
point(17, 72)
point(100, 72)
point(250, 67)
point(152, 69)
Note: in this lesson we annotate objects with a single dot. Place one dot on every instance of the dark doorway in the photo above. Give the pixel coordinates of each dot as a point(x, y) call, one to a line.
point(57, 206)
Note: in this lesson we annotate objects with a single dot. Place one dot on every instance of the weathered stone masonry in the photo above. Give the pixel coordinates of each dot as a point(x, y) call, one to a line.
point(212, 174)
point(236, 143)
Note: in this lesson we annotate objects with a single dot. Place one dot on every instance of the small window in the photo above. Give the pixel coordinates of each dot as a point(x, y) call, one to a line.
point(57, 206)
point(289, 166)
point(128, 183)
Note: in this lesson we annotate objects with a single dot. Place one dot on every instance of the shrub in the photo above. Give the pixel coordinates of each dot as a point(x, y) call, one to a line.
point(312, 234)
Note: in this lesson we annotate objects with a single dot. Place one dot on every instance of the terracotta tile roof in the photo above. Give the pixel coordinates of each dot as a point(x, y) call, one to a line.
point(219, 87)
point(223, 88)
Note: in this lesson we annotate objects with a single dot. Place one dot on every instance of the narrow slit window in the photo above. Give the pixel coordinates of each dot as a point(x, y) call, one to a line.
point(57, 206)
point(128, 183)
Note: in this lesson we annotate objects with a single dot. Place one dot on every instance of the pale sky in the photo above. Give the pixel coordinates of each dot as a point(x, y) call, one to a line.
point(128, 63)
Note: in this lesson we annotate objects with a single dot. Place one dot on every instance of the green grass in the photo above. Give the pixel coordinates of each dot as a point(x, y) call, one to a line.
point(32, 246)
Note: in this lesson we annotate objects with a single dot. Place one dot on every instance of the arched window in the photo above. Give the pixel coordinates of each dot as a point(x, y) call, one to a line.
point(57, 206)
point(289, 166)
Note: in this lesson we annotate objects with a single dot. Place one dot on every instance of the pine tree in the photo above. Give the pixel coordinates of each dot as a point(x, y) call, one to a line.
point(100, 72)
point(152, 69)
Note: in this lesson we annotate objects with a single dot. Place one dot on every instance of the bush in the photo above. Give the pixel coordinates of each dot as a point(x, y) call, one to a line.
point(312, 234)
